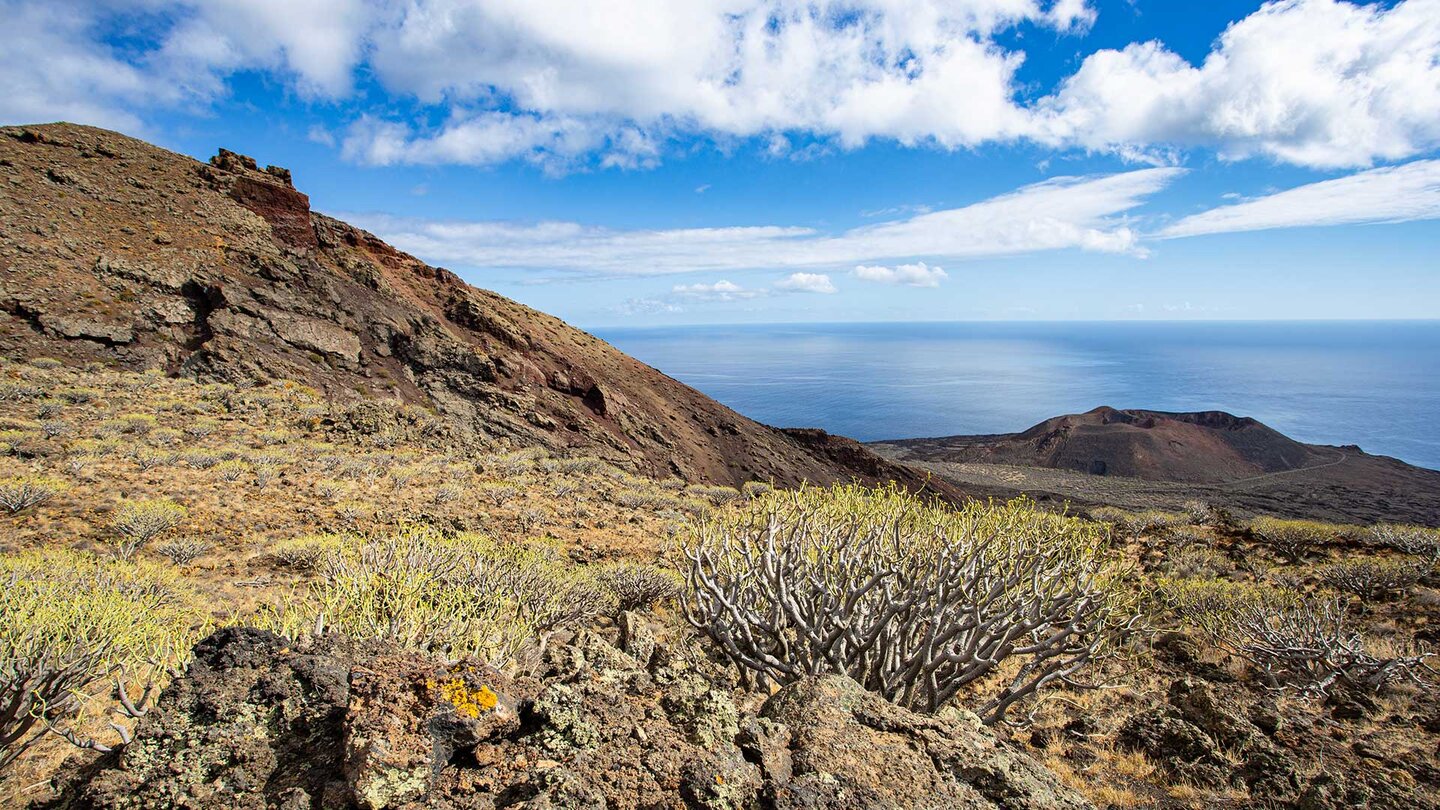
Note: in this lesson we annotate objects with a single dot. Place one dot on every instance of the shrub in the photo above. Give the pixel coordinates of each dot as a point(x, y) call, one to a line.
point(232, 470)
point(755, 489)
point(138, 522)
point(1292, 641)
point(78, 396)
point(1291, 539)
point(913, 601)
point(1150, 520)
point(1416, 540)
point(715, 495)
point(1182, 536)
point(1196, 561)
point(304, 553)
point(1372, 579)
point(68, 621)
point(137, 423)
point(46, 363)
point(182, 551)
point(18, 392)
point(1198, 511)
point(22, 492)
point(637, 585)
point(455, 596)
point(498, 493)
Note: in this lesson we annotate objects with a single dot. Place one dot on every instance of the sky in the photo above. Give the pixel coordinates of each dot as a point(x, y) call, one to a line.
point(663, 162)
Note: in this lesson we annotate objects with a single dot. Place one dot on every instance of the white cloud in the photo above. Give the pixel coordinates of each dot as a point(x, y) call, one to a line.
point(559, 83)
point(1317, 83)
point(1390, 194)
point(1066, 212)
point(911, 275)
point(807, 282)
point(719, 291)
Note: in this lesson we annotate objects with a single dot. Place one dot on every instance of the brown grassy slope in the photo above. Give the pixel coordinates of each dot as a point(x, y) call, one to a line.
point(117, 251)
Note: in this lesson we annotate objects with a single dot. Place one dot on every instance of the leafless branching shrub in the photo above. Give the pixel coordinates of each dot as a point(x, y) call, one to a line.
point(638, 585)
point(1374, 580)
point(182, 551)
point(1306, 643)
point(915, 602)
point(138, 522)
point(1291, 539)
point(1416, 540)
point(22, 492)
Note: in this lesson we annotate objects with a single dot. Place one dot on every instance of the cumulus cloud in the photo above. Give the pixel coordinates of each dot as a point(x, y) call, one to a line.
point(910, 275)
point(557, 83)
point(1391, 194)
point(806, 282)
point(1087, 213)
point(719, 291)
point(1317, 83)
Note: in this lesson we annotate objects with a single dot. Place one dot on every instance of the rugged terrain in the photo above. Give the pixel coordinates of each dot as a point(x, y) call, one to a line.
point(120, 252)
point(1152, 459)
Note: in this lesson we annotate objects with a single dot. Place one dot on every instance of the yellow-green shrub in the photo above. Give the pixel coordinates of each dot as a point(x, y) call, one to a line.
point(461, 595)
point(68, 621)
point(1291, 539)
point(22, 492)
point(138, 522)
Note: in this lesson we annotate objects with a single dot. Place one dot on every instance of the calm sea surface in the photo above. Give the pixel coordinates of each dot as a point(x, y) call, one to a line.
point(1375, 384)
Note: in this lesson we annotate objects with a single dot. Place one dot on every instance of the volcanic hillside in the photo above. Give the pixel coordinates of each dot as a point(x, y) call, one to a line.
point(120, 252)
point(1205, 447)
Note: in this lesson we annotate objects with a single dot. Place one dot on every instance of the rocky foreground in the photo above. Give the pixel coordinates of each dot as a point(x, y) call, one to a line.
point(260, 723)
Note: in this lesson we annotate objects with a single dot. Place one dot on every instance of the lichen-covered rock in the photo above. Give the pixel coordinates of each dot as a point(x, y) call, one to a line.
point(335, 724)
point(849, 748)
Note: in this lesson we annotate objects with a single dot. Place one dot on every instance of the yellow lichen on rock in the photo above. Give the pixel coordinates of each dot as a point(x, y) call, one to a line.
point(468, 702)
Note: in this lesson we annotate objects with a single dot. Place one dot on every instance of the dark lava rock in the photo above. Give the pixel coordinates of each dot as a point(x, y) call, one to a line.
point(259, 722)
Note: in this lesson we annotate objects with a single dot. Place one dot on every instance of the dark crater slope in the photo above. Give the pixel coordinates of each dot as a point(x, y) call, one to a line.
point(117, 251)
point(1141, 458)
point(1204, 447)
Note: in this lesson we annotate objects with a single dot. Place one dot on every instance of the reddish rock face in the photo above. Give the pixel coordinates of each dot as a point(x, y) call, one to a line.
point(287, 210)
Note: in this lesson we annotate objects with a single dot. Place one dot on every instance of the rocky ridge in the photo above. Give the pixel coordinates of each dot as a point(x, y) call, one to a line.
point(120, 252)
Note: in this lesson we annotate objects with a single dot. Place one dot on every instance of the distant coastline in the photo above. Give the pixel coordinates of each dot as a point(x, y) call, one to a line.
point(1375, 384)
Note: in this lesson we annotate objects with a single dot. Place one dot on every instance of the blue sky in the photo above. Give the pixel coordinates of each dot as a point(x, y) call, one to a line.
point(719, 161)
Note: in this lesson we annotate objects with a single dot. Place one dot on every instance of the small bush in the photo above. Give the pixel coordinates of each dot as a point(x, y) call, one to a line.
point(78, 396)
point(182, 551)
point(304, 553)
point(1198, 512)
point(637, 585)
point(136, 523)
point(755, 489)
point(497, 493)
point(914, 601)
point(1292, 641)
point(456, 596)
point(1374, 580)
point(1292, 539)
point(18, 392)
point(68, 621)
point(1192, 561)
point(1416, 540)
point(22, 492)
point(232, 470)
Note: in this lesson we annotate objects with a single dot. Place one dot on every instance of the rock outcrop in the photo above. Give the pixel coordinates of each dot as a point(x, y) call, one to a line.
point(261, 723)
point(119, 252)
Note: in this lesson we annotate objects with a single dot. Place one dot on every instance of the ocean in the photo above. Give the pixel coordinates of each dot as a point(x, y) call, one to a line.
point(1375, 384)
